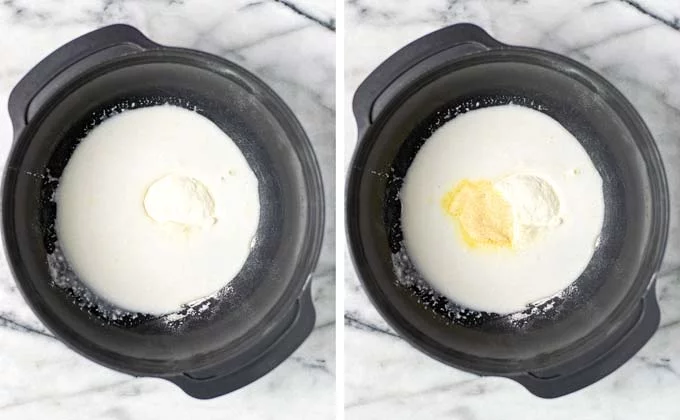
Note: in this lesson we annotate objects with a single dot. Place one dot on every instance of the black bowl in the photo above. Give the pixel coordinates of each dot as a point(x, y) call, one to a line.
point(268, 312)
point(567, 343)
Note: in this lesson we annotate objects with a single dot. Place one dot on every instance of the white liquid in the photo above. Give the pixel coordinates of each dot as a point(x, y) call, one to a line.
point(491, 143)
point(123, 254)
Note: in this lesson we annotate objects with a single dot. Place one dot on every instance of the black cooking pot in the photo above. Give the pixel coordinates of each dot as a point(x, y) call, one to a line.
point(555, 347)
point(267, 312)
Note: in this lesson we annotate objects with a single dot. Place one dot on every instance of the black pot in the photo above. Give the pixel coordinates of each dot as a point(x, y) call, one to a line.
point(269, 312)
point(613, 312)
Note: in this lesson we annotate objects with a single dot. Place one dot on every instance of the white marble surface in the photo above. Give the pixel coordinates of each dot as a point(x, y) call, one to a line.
point(291, 45)
point(634, 44)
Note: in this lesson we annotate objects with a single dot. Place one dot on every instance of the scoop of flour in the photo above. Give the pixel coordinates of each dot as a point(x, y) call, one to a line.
point(535, 205)
point(181, 200)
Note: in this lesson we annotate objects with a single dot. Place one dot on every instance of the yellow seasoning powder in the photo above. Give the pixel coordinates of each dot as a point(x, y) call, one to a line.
point(485, 218)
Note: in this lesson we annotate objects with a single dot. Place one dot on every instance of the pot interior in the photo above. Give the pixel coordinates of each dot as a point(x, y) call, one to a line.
point(545, 333)
point(289, 228)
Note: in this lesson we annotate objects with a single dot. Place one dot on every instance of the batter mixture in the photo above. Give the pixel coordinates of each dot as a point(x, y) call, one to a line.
point(501, 207)
point(157, 208)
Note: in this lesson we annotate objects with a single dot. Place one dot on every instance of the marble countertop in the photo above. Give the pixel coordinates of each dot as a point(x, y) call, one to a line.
point(636, 45)
point(276, 40)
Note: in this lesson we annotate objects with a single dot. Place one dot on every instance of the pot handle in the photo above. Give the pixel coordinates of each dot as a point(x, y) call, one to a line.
point(234, 374)
point(588, 369)
point(67, 62)
point(410, 62)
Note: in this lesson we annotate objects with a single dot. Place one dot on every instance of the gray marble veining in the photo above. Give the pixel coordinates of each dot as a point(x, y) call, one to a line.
point(635, 44)
point(291, 46)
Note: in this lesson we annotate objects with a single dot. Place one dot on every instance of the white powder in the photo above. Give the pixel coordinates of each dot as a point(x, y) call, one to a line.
point(156, 209)
point(535, 206)
point(180, 200)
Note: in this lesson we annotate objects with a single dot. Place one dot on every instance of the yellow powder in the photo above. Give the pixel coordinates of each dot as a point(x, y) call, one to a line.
point(483, 215)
